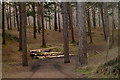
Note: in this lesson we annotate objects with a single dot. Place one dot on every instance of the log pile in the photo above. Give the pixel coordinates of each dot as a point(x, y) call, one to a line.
point(46, 53)
point(42, 50)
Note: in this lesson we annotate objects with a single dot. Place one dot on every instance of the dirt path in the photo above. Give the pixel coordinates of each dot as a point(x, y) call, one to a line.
point(49, 68)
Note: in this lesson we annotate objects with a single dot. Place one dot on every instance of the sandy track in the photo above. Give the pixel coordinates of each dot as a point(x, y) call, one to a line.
point(49, 68)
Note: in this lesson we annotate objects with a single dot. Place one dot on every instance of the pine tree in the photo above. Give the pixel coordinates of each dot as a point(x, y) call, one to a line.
point(23, 33)
point(82, 53)
point(65, 32)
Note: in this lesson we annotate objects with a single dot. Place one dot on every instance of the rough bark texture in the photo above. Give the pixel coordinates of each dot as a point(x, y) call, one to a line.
point(65, 32)
point(43, 30)
point(82, 53)
point(70, 14)
point(23, 30)
point(3, 23)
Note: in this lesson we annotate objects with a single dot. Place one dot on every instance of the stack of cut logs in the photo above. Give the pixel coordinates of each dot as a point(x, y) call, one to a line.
point(45, 53)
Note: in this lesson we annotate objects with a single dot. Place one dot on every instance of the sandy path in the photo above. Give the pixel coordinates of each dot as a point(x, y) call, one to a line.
point(49, 68)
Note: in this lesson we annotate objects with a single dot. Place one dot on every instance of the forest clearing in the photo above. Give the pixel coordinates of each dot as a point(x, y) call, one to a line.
point(60, 40)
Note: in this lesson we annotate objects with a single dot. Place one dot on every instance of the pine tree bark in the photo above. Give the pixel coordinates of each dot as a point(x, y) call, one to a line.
point(23, 30)
point(59, 19)
point(10, 17)
point(34, 20)
point(3, 23)
point(70, 14)
point(43, 30)
point(39, 16)
point(65, 33)
point(20, 29)
point(82, 53)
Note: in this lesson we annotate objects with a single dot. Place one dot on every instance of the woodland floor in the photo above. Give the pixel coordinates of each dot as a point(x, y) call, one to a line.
point(48, 68)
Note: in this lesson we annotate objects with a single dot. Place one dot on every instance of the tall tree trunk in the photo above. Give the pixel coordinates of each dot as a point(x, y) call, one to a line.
point(49, 23)
point(17, 17)
point(103, 23)
point(65, 32)
point(7, 19)
point(94, 18)
point(82, 54)
point(23, 30)
point(59, 19)
point(89, 25)
point(20, 29)
point(119, 33)
point(106, 20)
point(55, 17)
point(70, 14)
point(38, 24)
point(14, 20)
point(43, 30)
point(34, 20)
point(3, 23)
point(113, 26)
point(10, 17)
point(99, 18)
point(39, 16)
point(119, 20)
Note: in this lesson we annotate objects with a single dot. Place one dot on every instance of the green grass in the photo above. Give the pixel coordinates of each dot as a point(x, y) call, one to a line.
point(43, 46)
point(103, 76)
point(94, 62)
point(11, 37)
point(84, 70)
